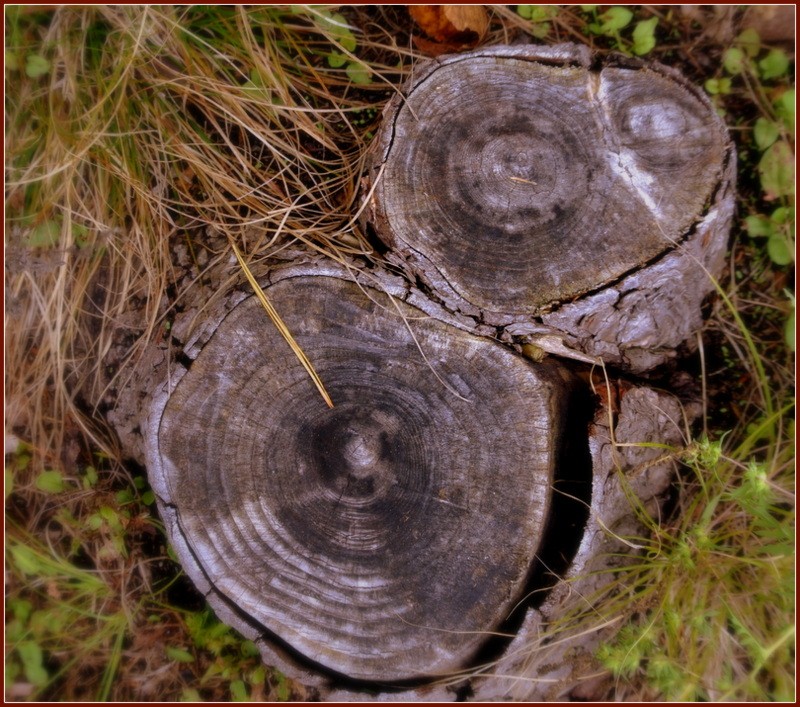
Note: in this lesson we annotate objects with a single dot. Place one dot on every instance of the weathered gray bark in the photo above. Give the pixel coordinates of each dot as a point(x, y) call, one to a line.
point(536, 189)
point(383, 538)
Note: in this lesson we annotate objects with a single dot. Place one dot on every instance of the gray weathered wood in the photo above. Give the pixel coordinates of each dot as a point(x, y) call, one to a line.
point(520, 183)
point(551, 657)
point(383, 538)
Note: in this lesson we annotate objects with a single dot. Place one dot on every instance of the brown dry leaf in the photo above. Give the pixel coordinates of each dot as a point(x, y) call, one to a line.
point(449, 27)
point(468, 18)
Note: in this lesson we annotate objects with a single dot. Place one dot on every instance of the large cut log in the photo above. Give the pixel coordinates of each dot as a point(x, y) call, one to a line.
point(381, 539)
point(564, 197)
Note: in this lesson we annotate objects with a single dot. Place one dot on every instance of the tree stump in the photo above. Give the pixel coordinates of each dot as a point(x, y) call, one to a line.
point(381, 539)
point(527, 194)
point(554, 194)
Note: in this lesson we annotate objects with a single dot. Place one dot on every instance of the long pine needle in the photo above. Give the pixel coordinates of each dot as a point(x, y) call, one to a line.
point(281, 327)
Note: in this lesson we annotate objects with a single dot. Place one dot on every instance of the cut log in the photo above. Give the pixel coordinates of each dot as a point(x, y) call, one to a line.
point(513, 182)
point(379, 540)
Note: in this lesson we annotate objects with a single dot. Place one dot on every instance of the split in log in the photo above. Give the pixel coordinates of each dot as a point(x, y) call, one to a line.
point(383, 539)
point(515, 181)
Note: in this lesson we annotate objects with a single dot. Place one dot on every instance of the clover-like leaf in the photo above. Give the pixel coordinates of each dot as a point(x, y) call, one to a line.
point(779, 250)
point(718, 86)
point(734, 60)
point(750, 42)
point(359, 73)
point(758, 226)
point(775, 64)
point(339, 30)
point(50, 482)
point(776, 170)
point(765, 133)
point(614, 19)
point(336, 60)
point(36, 66)
point(785, 108)
point(644, 36)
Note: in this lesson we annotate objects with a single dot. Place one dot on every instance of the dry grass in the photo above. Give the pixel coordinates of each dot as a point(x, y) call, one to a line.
point(149, 139)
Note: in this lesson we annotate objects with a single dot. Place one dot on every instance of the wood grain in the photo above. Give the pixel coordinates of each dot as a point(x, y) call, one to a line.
point(380, 539)
point(513, 180)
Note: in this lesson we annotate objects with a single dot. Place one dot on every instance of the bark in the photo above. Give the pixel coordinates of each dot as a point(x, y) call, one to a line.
point(555, 194)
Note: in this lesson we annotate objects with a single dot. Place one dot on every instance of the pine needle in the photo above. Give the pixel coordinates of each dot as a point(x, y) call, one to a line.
point(281, 327)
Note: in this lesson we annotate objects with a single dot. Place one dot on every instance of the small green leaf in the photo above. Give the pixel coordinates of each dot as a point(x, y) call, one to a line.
point(775, 64)
point(718, 86)
point(45, 235)
point(239, 691)
point(282, 691)
point(750, 42)
point(758, 226)
point(124, 496)
point(26, 560)
point(179, 655)
point(541, 13)
point(94, 521)
point(335, 60)
point(779, 250)
point(249, 649)
point(11, 62)
point(148, 498)
point(21, 608)
point(189, 694)
point(36, 66)
point(765, 133)
point(33, 663)
point(541, 29)
point(50, 482)
point(110, 516)
point(91, 475)
point(359, 73)
point(644, 37)
point(776, 170)
point(524, 11)
point(614, 19)
point(539, 16)
point(783, 214)
point(588, 8)
point(785, 108)
point(139, 482)
point(340, 31)
point(733, 61)
point(258, 675)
